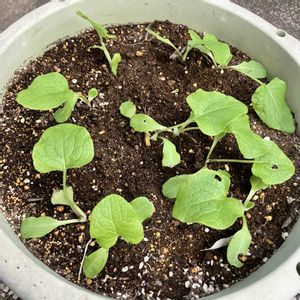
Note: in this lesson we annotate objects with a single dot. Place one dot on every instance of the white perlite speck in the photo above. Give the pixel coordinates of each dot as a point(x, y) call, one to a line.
point(125, 269)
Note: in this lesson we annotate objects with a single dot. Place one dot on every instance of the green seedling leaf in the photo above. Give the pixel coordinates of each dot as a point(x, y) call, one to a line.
point(163, 40)
point(143, 207)
point(114, 217)
point(274, 167)
point(46, 92)
point(128, 109)
point(249, 205)
point(197, 40)
point(170, 188)
point(252, 69)
point(270, 105)
point(171, 157)
point(92, 94)
point(101, 30)
point(144, 123)
point(220, 50)
point(239, 245)
point(115, 63)
point(58, 197)
point(257, 184)
point(209, 107)
point(33, 227)
point(95, 262)
point(62, 147)
point(202, 199)
point(250, 144)
point(64, 113)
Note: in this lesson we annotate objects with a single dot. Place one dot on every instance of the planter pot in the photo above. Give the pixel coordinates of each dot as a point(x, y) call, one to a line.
point(279, 52)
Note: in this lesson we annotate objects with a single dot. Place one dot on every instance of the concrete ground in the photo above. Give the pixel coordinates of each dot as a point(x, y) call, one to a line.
point(282, 14)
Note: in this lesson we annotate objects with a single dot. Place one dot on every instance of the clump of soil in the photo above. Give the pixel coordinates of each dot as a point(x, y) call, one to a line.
point(169, 263)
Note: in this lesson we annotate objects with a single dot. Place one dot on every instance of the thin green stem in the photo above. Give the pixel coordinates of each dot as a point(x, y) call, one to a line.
point(217, 138)
point(249, 197)
point(242, 161)
point(188, 129)
point(84, 99)
point(75, 208)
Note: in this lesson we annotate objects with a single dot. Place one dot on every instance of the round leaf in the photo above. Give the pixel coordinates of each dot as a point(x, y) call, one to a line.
point(252, 69)
point(143, 207)
point(62, 147)
point(171, 157)
point(209, 107)
point(46, 92)
point(128, 109)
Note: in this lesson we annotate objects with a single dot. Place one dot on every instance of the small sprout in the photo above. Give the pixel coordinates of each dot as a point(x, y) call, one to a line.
point(49, 91)
point(144, 123)
point(270, 105)
point(60, 148)
point(122, 219)
point(103, 34)
point(165, 41)
point(128, 109)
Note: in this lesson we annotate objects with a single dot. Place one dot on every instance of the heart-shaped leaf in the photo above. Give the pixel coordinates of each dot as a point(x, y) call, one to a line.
point(202, 198)
point(95, 262)
point(209, 107)
point(115, 63)
point(170, 188)
point(114, 217)
point(46, 92)
point(270, 105)
point(62, 147)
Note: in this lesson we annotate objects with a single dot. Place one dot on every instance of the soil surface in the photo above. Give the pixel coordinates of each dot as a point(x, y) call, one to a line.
point(170, 262)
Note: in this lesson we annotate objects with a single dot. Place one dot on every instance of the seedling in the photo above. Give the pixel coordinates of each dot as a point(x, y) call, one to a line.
point(112, 218)
point(209, 205)
point(103, 34)
point(51, 90)
point(207, 111)
point(60, 148)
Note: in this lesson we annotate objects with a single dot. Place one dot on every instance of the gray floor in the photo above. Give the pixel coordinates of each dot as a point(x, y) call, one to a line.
point(282, 14)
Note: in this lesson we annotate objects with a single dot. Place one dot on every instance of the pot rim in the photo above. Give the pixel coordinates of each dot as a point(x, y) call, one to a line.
point(30, 278)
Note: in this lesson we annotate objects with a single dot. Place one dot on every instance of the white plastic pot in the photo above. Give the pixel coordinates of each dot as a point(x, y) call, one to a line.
point(280, 53)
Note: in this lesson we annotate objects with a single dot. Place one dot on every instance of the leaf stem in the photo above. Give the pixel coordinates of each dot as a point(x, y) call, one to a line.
point(75, 208)
point(242, 161)
point(217, 138)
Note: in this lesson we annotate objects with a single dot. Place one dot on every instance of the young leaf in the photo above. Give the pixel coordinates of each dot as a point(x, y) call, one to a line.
point(248, 205)
point(197, 40)
point(64, 113)
point(93, 93)
point(95, 262)
point(62, 147)
point(128, 109)
point(274, 167)
point(114, 217)
point(101, 30)
point(209, 107)
point(143, 207)
point(239, 244)
point(250, 144)
point(170, 188)
point(46, 92)
point(171, 157)
point(144, 123)
point(58, 197)
point(252, 69)
point(270, 105)
point(33, 227)
point(202, 199)
point(115, 63)
point(163, 40)
point(220, 50)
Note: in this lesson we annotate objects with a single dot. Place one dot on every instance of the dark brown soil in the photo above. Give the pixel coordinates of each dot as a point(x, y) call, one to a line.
point(169, 262)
